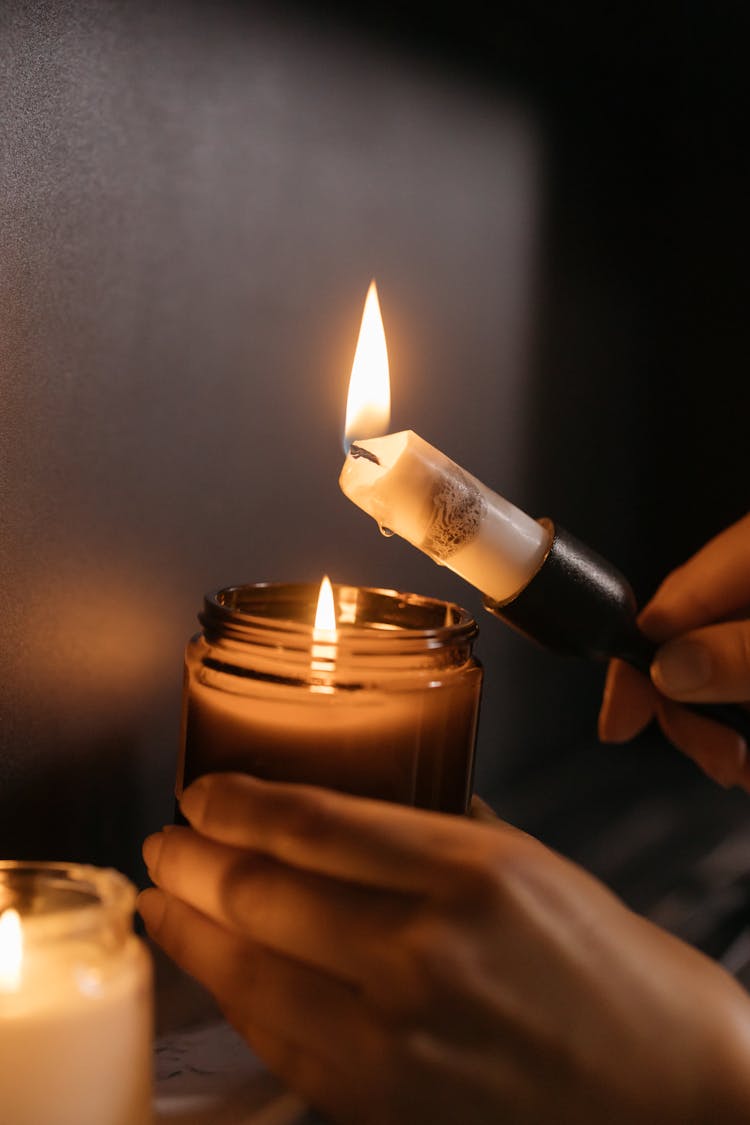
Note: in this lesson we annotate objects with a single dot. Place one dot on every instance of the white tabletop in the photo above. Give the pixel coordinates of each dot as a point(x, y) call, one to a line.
point(208, 1076)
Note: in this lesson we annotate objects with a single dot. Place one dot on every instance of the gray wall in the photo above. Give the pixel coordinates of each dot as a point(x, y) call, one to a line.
point(193, 199)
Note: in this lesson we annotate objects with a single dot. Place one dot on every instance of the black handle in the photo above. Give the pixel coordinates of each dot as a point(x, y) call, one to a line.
point(579, 604)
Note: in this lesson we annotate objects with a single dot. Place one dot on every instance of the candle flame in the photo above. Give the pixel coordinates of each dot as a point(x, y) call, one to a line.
point(325, 614)
point(11, 950)
point(368, 405)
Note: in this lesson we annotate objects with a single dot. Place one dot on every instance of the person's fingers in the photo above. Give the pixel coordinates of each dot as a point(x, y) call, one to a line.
point(340, 927)
point(712, 585)
point(377, 843)
point(711, 664)
point(628, 703)
point(310, 1029)
point(720, 752)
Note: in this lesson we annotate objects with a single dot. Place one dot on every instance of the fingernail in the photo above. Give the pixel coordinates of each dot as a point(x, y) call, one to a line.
point(682, 666)
point(193, 800)
point(151, 849)
point(151, 905)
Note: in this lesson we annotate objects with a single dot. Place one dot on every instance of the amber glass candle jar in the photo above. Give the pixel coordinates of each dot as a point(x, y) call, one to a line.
point(386, 707)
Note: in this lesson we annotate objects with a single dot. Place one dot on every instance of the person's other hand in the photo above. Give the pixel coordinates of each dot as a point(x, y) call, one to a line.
point(399, 966)
point(700, 616)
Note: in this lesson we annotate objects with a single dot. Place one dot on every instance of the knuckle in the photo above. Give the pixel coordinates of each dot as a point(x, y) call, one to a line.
point(304, 818)
point(243, 893)
point(478, 879)
point(485, 878)
point(171, 932)
point(429, 951)
point(422, 967)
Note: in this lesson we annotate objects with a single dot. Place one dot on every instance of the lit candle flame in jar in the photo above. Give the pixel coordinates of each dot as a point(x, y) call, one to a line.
point(11, 950)
point(325, 614)
point(368, 405)
point(324, 630)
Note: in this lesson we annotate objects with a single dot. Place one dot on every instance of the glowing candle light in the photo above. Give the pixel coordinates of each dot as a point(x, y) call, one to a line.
point(368, 403)
point(376, 692)
point(75, 999)
point(534, 575)
point(11, 950)
point(412, 489)
point(324, 626)
point(372, 692)
point(324, 635)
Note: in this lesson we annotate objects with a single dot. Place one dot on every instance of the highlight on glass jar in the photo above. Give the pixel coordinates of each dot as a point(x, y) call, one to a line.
point(381, 699)
point(75, 998)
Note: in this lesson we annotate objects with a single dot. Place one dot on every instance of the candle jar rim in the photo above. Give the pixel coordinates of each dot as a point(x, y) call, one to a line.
point(396, 616)
point(59, 899)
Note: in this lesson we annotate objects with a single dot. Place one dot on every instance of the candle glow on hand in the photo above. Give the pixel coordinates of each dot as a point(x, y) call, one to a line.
point(412, 489)
point(11, 950)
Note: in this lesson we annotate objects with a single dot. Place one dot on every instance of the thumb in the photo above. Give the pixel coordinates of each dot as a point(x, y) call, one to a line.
point(708, 665)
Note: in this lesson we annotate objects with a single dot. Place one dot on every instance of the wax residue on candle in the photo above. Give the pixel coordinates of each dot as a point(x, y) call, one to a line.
point(459, 509)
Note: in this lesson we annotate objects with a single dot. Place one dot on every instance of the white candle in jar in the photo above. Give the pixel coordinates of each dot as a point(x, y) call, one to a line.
point(75, 999)
point(413, 490)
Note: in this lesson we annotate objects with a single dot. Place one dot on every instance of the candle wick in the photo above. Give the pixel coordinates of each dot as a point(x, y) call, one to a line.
point(357, 451)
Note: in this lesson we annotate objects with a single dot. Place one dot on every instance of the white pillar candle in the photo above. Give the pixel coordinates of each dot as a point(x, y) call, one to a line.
point(75, 999)
point(412, 489)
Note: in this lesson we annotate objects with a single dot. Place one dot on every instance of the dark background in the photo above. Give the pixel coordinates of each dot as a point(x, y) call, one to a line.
point(193, 199)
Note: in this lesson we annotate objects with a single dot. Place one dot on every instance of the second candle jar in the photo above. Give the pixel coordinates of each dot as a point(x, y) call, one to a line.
point(386, 708)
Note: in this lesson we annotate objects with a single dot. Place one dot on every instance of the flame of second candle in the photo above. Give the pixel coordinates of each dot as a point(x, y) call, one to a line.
point(368, 405)
point(11, 950)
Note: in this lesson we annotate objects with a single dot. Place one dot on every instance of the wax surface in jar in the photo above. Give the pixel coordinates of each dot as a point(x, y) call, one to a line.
point(412, 746)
